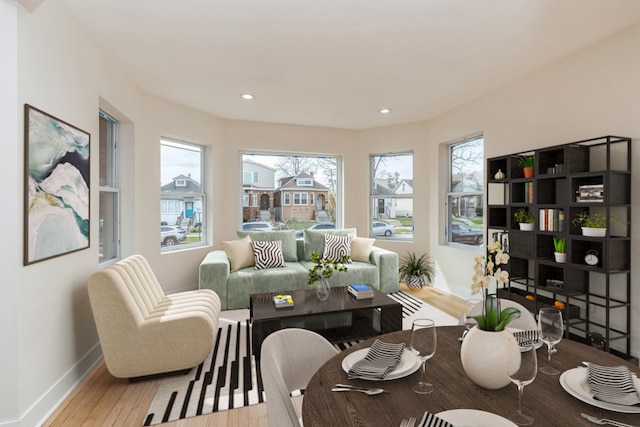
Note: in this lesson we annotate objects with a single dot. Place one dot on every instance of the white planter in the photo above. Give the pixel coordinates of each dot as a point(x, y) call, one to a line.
point(561, 257)
point(488, 357)
point(526, 227)
point(594, 232)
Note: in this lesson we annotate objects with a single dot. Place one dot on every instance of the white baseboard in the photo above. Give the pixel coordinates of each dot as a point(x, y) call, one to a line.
point(42, 409)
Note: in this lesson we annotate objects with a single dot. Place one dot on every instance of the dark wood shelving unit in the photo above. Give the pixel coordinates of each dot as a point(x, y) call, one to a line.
point(591, 176)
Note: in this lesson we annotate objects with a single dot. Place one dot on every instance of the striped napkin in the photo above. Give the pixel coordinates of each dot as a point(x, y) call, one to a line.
point(430, 420)
point(527, 337)
point(381, 359)
point(612, 384)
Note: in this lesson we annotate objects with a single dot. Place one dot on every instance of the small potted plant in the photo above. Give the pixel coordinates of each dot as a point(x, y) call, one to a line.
point(527, 164)
point(560, 247)
point(416, 271)
point(524, 218)
point(594, 225)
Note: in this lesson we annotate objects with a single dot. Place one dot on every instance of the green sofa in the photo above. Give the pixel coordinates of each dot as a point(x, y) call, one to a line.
point(235, 287)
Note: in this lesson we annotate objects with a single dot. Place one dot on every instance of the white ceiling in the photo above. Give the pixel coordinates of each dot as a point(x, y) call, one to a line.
point(337, 62)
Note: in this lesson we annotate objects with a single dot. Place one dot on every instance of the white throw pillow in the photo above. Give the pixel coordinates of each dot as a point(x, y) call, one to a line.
point(361, 248)
point(268, 254)
point(335, 247)
point(239, 252)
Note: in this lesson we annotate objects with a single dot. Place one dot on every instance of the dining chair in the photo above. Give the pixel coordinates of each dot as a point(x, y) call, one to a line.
point(526, 321)
point(288, 360)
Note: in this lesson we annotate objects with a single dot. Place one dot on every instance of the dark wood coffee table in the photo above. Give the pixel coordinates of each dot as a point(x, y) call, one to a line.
point(340, 318)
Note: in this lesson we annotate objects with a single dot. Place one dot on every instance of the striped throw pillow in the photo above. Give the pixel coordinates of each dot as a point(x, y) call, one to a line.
point(337, 246)
point(268, 254)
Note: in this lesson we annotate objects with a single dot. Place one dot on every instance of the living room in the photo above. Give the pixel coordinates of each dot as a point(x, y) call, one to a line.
point(49, 338)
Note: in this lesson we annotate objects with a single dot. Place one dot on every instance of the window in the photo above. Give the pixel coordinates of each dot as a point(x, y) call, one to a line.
point(182, 194)
point(109, 200)
point(392, 196)
point(465, 197)
point(290, 190)
point(300, 199)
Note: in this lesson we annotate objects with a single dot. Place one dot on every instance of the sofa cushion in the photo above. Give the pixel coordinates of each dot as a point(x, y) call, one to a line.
point(335, 247)
point(288, 238)
point(268, 254)
point(361, 248)
point(239, 252)
point(314, 240)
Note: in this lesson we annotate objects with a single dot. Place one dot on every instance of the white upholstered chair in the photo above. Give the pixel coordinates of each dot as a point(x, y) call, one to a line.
point(526, 321)
point(144, 332)
point(288, 360)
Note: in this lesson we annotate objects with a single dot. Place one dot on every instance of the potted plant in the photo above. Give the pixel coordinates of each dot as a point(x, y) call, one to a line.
point(322, 269)
point(593, 225)
point(527, 165)
point(560, 249)
point(416, 271)
point(524, 218)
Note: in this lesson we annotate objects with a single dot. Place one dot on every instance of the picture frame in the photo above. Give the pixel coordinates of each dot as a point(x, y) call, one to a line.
point(56, 186)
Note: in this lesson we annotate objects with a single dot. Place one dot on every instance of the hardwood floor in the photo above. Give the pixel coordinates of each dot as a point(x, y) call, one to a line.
point(103, 400)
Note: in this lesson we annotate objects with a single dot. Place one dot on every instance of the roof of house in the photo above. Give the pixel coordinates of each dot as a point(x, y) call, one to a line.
point(290, 183)
point(190, 186)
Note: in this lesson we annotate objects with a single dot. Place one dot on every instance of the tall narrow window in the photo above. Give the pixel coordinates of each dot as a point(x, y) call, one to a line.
point(392, 196)
point(109, 201)
point(465, 197)
point(182, 194)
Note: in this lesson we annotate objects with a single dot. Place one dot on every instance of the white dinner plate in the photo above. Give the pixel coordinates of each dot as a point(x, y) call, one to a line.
point(475, 418)
point(536, 345)
point(409, 363)
point(575, 382)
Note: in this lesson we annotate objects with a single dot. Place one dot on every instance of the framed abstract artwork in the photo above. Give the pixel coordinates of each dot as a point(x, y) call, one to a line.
point(56, 211)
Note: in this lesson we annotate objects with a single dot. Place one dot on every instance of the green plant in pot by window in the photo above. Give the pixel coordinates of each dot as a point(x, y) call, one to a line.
point(523, 216)
point(527, 163)
point(416, 271)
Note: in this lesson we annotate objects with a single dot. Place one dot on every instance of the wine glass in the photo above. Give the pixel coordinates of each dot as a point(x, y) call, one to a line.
point(523, 376)
point(470, 309)
point(551, 330)
point(423, 345)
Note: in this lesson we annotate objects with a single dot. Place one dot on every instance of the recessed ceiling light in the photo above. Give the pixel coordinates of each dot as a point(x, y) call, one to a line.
point(385, 110)
point(247, 96)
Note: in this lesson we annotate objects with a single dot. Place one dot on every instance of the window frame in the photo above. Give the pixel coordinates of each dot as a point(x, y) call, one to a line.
point(390, 200)
point(184, 197)
point(111, 189)
point(478, 193)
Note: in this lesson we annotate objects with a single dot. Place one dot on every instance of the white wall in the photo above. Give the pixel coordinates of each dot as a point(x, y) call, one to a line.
point(44, 312)
point(11, 172)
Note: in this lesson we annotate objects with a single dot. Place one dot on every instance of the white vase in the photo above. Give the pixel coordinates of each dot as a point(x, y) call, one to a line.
point(561, 257)
point(488, 357)
point(322, 289)
point(526, 226)
point(594, 232)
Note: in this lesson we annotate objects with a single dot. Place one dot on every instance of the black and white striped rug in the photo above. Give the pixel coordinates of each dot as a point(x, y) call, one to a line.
point(228, 378)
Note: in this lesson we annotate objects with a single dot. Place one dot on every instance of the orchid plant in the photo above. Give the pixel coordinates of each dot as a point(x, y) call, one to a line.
point(492, 318)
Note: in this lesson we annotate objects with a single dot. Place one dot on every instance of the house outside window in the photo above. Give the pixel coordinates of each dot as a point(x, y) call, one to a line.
point(391, 195)
point(182, 195)
point(109, 190)
point(465, 195)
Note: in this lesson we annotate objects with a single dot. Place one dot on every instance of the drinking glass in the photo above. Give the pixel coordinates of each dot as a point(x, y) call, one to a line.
point(551, 330)
point(469, 310)
point(523, 376)
point(423, 345)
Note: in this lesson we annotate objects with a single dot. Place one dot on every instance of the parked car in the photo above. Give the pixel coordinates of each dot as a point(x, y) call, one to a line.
point(257, 226)
point(382, 229)
point(171, 235)
point(318, 226)
point(462, 233)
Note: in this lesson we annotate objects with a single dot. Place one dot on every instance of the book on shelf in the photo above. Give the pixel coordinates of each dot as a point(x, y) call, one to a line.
point(552, 220)
point(282, 301)
point(360, 291)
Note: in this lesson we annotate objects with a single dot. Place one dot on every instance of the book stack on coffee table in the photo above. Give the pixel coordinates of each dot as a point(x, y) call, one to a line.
point(360, 291)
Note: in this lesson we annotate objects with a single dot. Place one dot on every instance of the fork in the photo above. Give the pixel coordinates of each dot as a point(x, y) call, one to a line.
point(603, 421)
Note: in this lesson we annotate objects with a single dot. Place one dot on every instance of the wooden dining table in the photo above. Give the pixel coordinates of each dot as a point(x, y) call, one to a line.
point(544, 399)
